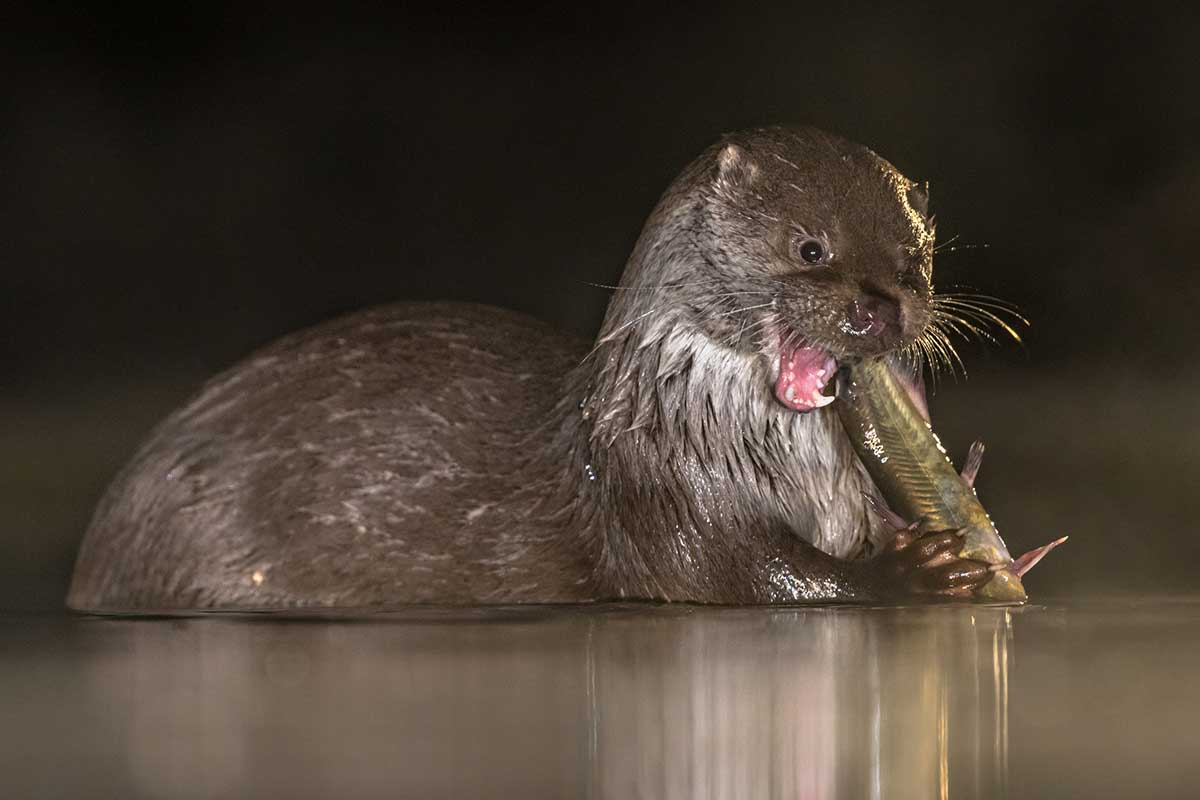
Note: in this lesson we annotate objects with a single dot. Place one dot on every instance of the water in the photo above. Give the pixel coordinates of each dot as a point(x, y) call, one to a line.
point(1091, 699)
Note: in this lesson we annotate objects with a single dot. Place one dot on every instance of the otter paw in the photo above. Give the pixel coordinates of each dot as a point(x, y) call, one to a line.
point(917, 566)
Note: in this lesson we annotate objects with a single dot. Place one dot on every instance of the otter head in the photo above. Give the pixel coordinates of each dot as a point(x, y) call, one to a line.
point(813, 250)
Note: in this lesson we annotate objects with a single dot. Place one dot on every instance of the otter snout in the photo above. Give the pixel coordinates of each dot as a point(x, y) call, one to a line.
point(872, 314)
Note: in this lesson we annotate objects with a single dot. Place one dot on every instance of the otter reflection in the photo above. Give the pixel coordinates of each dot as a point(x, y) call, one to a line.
point(663, 702)
point(805, 703)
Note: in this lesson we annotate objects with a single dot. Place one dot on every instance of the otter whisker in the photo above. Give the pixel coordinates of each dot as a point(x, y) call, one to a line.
point(966, 328)
point(975, 297)
point(979, 326)
point(746, 308)
point(940, 353)
point(742, 330)
point(979, 312)
point(958, 307)
point(916, 354)
point(950, 352)
point(608, 337)
point(651, 286)
point(945, 247)
point(983, 315)
point(737, 294)
point(760, 325)
point(946, 243)
point(978, 304)
point(934, 359)
point(911, 358)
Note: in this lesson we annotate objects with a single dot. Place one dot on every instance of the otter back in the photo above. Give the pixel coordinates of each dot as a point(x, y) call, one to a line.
point(382, 457)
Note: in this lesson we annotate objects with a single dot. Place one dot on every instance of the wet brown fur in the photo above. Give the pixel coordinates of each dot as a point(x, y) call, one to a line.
point(455, 453)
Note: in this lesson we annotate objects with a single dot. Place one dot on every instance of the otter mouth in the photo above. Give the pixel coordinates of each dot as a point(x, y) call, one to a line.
point(805, 376)
point(805, 380)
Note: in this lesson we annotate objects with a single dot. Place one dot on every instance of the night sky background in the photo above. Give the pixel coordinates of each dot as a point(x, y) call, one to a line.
point(180, 188)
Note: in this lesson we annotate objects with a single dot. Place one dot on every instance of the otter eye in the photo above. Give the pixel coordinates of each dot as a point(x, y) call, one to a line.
point(810, 250)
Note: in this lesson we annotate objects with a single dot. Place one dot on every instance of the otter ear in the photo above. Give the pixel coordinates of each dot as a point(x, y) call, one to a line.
point(736, 171)
point(918, 197)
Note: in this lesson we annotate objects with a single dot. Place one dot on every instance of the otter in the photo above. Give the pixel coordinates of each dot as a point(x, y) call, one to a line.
point(454, 453)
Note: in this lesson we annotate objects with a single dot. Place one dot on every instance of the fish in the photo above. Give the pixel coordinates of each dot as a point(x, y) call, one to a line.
point(888, 424)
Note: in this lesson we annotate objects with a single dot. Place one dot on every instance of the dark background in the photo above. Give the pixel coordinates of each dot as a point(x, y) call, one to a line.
point(181, 187)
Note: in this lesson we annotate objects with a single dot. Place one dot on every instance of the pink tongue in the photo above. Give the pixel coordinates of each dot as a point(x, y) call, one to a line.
point(803, 373)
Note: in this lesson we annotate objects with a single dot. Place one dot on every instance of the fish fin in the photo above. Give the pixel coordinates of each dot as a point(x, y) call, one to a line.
point(917, 393)
point(1025, 562)
point(893, 519)
point(971, 466)
point(912, 379)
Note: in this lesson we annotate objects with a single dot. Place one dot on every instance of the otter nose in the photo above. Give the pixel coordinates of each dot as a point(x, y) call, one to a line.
point(872, 314)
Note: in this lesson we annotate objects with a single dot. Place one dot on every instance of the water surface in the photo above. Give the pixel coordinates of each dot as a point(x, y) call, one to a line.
point(1092, 699)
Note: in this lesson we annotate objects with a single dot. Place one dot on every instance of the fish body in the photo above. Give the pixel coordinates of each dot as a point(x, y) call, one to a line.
point(910, 468)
